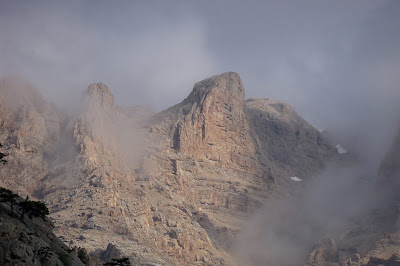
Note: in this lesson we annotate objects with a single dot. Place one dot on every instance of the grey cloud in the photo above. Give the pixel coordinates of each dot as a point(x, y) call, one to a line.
point(286, 230)
point(336, 62)
point(143, 54)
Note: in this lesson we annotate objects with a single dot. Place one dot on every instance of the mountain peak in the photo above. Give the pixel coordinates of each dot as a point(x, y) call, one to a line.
point(100, 94)
point(226, 86)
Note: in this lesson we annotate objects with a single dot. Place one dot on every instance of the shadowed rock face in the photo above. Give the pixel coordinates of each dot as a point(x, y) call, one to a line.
point(110, 253)
point(30, 240)
point(387, 247)
point(389, 170)
point(171, 188)
point(374, 238)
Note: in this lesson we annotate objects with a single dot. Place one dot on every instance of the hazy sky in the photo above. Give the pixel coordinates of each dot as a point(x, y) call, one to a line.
point(336, 62)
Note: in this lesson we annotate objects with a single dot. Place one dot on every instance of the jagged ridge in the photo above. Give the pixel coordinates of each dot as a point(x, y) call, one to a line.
point(205, 164)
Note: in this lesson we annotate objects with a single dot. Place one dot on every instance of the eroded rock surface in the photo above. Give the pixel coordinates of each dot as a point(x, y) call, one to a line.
point(171, 188)
point(30, 240)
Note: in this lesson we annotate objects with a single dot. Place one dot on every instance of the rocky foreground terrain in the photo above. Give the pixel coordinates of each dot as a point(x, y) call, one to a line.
point(171, 188)
point(29, 240)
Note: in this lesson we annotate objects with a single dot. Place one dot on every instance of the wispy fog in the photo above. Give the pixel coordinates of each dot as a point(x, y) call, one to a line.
point(336, 62)
point(286, 230)
point(146, 54)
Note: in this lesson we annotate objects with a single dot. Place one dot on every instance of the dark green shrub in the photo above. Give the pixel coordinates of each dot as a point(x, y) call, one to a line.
point(8, 196)
point(119, 262)
point(83, 256)
point(33, 208)
point(64, 258)
point(22, 237)
point(2, 155)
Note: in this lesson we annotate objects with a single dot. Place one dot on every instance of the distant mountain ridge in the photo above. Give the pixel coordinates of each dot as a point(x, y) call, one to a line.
point(171, 188)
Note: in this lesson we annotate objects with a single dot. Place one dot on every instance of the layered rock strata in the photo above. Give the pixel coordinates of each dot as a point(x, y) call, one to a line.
point(171, 188)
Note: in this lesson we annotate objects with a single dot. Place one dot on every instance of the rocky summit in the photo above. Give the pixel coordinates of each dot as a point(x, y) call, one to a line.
point(171, 188)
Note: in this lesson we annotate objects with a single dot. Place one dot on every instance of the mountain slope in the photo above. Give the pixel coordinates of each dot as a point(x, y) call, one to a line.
point(29, 240)
point(171, 188)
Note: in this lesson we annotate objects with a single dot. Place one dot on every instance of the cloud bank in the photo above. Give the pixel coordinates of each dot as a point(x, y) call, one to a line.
point(336, 62)
point(144, 55)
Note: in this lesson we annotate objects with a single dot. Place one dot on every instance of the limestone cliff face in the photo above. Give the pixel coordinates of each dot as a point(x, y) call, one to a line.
point(227, 156)
point(285, 140)
point(215, 127)
point(29, 131)
point(262, 142)
point(171, 188)
point(99, 133)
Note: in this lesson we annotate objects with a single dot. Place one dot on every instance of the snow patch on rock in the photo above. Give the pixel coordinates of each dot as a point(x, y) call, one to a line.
point(295, 178)
point(340, 149)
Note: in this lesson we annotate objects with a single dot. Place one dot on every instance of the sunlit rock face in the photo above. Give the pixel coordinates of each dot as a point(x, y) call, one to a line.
point(170, 188)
